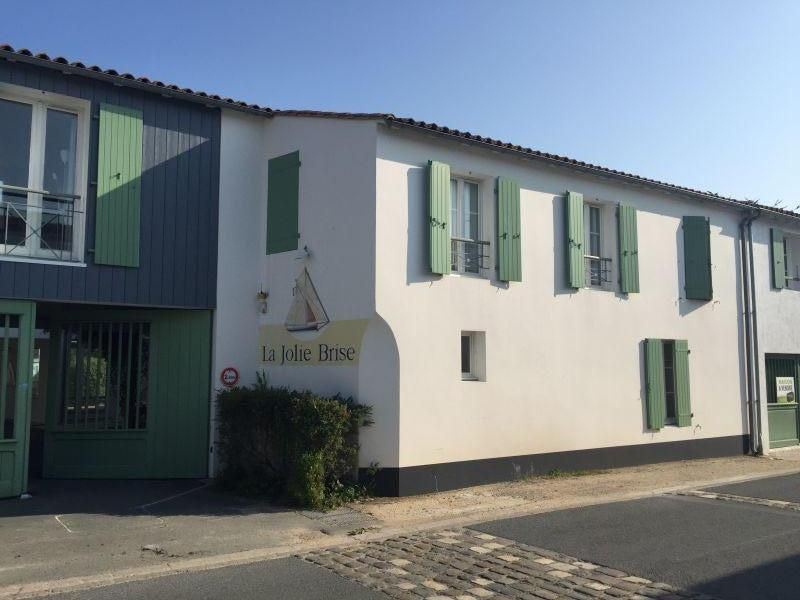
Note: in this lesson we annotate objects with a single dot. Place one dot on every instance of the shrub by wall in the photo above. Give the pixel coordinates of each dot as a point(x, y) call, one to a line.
point(290, 444)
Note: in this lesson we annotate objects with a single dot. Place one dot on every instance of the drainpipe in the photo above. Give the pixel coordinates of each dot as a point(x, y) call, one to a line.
point(753, 377)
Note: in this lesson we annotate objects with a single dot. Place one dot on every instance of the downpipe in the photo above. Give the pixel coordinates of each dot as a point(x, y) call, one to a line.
point(750, 315)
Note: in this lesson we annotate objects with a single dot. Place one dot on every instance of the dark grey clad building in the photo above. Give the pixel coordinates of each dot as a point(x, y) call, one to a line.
point(108, 245)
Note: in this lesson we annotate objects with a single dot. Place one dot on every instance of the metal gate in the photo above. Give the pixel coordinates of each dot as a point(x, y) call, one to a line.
point(783, 413)
point(16, 363)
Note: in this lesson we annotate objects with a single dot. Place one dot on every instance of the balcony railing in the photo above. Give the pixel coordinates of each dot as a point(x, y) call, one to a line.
point(45, 229)
point(468, 256)
point(598, 270)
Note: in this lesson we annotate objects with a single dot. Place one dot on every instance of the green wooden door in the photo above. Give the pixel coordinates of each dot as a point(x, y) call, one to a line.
point(16, 358)
point(783, 412)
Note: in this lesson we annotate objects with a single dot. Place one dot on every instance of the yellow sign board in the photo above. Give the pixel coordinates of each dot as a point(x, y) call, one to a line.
point(337, 344)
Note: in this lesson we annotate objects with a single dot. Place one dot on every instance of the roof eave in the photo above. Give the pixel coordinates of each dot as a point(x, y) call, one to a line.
point(120, 80)
point(593, 170)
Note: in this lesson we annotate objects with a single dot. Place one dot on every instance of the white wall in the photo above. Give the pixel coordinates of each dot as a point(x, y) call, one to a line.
point(778, 310)
point(564, 369)
point(336, 223)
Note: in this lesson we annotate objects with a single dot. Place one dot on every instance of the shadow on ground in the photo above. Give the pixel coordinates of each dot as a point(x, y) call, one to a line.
point(160, 498)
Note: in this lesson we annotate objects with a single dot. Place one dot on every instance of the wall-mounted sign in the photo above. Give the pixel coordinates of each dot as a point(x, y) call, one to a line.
point(337, 344)
point(229, 376)
point(785, 389)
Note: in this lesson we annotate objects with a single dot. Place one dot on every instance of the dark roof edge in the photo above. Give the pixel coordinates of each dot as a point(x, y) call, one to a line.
point(584, 167)
point(529, 153)
point(59, 63)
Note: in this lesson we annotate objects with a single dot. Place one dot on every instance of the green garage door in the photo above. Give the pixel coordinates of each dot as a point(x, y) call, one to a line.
point(129, 394)
point(782, 377)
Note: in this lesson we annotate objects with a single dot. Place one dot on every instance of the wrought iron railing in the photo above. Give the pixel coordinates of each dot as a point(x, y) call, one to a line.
point(46, 228)
point(598, 270)
point(468, 256)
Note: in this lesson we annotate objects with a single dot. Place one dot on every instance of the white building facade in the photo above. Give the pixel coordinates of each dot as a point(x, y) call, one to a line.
point(504, 312)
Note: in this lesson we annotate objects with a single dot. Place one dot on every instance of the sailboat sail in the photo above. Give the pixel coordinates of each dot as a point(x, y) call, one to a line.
point(306, 311)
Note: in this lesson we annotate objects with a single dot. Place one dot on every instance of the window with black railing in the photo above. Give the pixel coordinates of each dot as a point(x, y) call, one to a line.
point(598, 267)
point(41, 213)
point(469, 254)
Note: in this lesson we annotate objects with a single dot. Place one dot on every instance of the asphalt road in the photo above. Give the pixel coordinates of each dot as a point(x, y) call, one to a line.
point(732, 550)
point(729, 549)
point(283, 579)
point(786, 488)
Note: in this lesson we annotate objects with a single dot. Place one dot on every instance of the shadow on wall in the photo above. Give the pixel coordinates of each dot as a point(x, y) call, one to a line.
point(417, 270)
point(379, 387)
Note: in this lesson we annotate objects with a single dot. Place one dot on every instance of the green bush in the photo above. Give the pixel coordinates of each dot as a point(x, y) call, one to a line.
point(290, 444)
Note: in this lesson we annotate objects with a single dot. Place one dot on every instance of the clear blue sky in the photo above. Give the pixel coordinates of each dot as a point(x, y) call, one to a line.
point(704, 94)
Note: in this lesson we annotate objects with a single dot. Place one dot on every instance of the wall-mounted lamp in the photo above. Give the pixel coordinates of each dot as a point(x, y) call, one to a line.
point(261, 299)
point(303, 254)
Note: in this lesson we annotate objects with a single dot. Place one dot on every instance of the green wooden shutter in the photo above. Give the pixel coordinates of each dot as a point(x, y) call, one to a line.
point(509, 244)
point(778, 265)
point(573, 220)
point(697, 258)
point(628, 250)
point(654, 379)
point(283, 194)
point(439, 217)
point(119, 174)
point(682, 396)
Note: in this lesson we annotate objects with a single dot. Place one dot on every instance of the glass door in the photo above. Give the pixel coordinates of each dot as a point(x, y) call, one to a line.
point(16, 360)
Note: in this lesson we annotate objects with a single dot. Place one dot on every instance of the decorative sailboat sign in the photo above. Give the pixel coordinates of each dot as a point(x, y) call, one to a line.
point(306, 311)
point(309, 337)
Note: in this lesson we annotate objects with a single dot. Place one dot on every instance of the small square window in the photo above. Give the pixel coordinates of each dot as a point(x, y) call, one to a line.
point(473, 356)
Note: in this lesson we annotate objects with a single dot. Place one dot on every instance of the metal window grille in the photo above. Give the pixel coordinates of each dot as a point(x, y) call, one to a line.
point(105, 375)
point(468, 256)
point(598, 270)
point(46, 230)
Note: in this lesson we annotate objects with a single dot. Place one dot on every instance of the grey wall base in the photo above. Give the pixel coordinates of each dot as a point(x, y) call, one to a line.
point(423, 479)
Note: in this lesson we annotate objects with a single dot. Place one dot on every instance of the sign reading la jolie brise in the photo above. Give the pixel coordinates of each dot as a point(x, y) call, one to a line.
point(338, 344)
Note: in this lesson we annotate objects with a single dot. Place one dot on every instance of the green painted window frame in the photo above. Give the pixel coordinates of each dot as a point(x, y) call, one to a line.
point(509, 230)
point(628, 244)
point(119, 186)
point(439, 203)
point(656, 384)
point(283, 203)
point(777, 240)
point(574, 239)
point(698, 280)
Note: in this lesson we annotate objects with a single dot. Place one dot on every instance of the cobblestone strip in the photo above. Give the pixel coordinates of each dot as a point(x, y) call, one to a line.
point(469, 565)
point(746, 499)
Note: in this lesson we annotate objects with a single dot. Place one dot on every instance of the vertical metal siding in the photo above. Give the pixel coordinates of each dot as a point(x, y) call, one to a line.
point(439, 217)
point(179, 204)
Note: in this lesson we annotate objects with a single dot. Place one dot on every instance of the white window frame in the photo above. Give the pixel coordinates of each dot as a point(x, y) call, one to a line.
point(477, 356)
point(458, 201)
point(608, 244)
point(41, 101)
point(791, 250)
